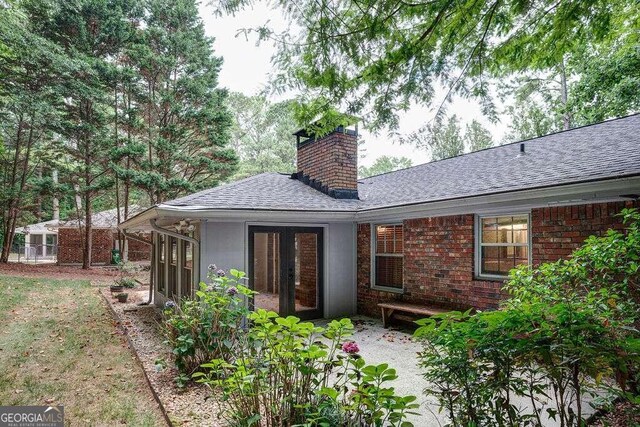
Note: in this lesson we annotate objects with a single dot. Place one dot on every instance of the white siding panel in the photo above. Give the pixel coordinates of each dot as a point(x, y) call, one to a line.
point(225, 245)
point(340, 291)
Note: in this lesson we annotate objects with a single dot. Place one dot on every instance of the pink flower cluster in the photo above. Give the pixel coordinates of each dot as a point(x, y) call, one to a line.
point(350, 347)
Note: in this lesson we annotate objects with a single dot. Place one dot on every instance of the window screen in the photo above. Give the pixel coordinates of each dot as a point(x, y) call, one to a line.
point(389, 256)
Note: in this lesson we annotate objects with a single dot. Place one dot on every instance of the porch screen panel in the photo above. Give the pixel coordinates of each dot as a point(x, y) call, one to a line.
point(172, 281)
point(389, 259)
point(161, 260)
point(187, 269)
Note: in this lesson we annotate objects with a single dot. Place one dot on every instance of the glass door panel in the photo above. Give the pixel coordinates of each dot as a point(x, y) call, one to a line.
point(266, 270)
point(285, 268)
point(306, 286)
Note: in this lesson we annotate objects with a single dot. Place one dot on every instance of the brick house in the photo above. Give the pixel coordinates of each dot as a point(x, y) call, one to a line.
point(63, 240)
point(323, 243)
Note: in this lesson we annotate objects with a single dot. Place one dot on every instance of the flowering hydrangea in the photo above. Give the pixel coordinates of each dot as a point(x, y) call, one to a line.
point(169, 305)
point(232, 291)
point(350, 347)
point(220, 273)
point(212, 267)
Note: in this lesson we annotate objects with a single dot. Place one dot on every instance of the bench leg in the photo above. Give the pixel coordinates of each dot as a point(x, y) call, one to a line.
point(386, 316)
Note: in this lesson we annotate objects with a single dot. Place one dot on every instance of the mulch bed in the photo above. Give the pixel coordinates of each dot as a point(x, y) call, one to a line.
point(623, 414)
point(191, 406)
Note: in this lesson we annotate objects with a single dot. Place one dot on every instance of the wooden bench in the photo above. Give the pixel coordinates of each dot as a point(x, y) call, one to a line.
point(388, 308)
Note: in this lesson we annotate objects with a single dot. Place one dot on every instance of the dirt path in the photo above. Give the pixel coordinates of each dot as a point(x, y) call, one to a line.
point(59, 346)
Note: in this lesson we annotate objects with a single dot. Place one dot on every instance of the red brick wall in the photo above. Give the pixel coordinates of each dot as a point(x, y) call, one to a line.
point(333, 160)
point(557, 231)
point(70, 246)
point(439, 255)
point(139, 251)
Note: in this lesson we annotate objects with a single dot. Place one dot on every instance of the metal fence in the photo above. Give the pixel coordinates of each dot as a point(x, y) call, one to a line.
point(33, 253)
point(47, 254)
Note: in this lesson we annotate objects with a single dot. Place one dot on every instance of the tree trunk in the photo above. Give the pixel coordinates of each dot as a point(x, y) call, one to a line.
point(39, 198)
point(564, 96)
point(10, 209)
point(16, 197)
point(55, 202)
point(88, 232)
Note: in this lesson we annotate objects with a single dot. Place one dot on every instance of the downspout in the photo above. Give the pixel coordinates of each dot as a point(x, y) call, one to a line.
point(151, 282)
point(194, 242)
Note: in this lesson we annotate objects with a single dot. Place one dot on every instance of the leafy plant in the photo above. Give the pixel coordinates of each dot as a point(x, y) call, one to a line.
point(126, 282)
point(290, 372)
point(208, 326)
point(567, 331)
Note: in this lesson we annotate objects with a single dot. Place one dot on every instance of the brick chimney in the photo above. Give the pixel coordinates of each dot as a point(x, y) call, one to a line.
point(329, 163)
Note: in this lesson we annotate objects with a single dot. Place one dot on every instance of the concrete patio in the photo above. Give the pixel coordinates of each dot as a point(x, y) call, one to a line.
point(399, 349)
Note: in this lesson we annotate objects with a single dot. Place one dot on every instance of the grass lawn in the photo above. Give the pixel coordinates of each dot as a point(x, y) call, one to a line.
point(58, 345)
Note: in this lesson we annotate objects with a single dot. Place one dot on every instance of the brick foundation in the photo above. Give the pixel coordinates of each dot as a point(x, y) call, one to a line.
point(70, 246)
point(439, 255)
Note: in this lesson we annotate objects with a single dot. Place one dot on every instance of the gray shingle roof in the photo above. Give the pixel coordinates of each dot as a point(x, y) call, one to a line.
point(270, 190)
point(103, 219)
point(602, 151)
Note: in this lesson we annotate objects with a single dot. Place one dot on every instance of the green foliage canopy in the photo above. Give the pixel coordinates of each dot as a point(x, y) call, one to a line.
point(262, 134)
point(377, 57)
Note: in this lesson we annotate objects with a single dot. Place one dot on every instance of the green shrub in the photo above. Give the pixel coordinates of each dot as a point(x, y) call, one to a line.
point(126, 282)
point(567, 330)
point(290, 372)
point(208, 326)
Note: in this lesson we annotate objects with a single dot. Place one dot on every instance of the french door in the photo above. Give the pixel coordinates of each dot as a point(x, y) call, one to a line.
point(286, 269)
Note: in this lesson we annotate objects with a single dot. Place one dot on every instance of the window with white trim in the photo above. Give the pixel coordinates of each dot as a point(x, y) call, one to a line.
point(388, 259)
point(503, 243)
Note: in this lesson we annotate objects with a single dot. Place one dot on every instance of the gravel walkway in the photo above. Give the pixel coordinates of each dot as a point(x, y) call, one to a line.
point(189, 407)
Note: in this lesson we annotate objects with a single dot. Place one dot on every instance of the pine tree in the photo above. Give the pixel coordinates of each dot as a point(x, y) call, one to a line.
point(30, 70)
point(91, 33)
point(185, 116)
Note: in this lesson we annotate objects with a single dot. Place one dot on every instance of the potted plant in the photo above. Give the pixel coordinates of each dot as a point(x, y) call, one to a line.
point(127, 282)
point(116, 288)
point(122, 297)
point(123, 282)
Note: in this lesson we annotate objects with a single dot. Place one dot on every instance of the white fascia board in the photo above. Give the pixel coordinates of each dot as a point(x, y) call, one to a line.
point(573, 194)
point(140, 221)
